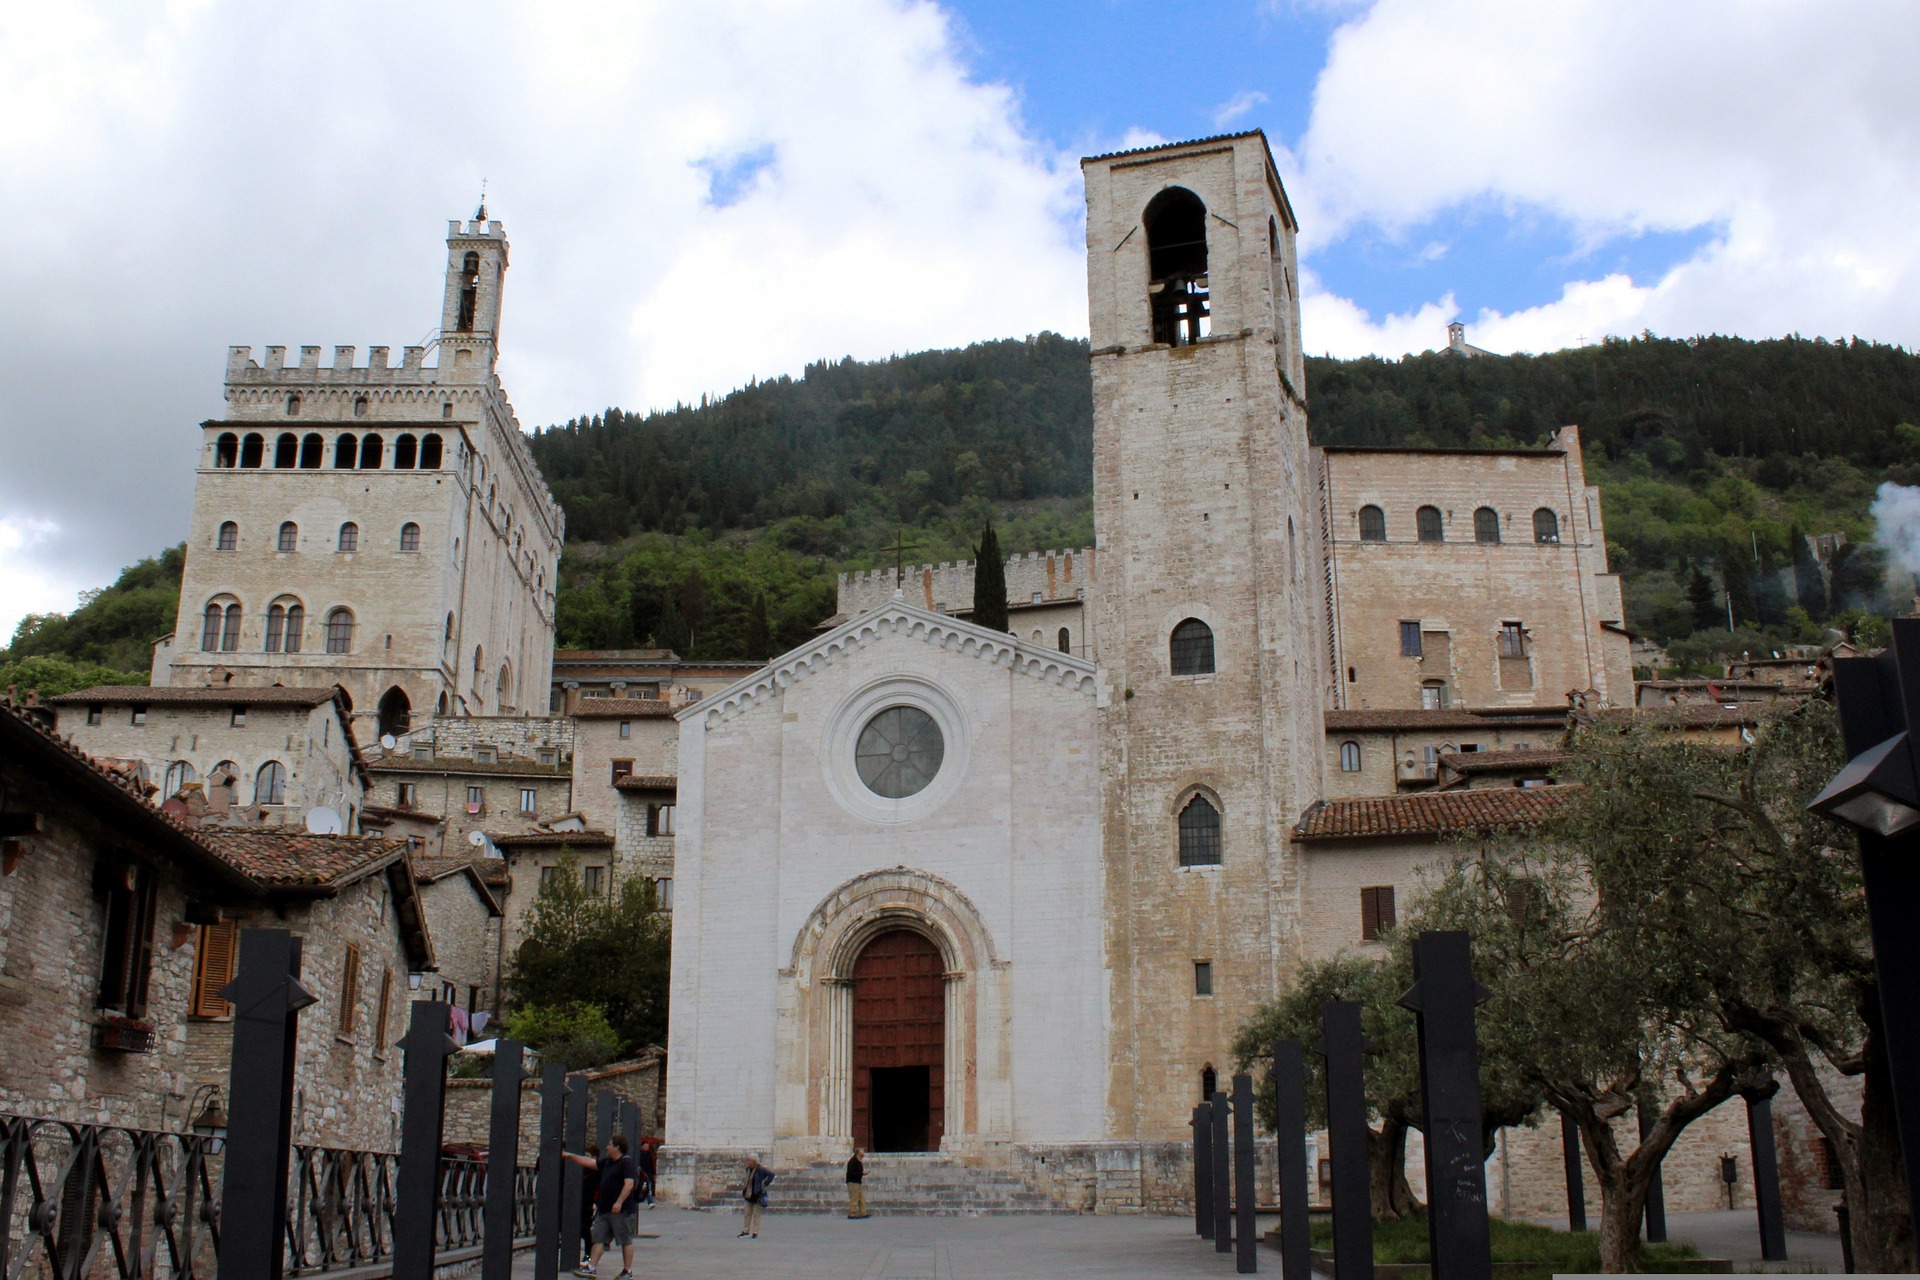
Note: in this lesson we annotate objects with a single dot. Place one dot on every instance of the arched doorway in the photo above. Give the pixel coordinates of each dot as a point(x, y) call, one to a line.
point(899, 1044)
point(396, 712)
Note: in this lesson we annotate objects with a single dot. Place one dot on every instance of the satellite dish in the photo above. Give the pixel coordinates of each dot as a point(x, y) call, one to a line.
point(476, 838)
point(388, 741)
point(324, 822)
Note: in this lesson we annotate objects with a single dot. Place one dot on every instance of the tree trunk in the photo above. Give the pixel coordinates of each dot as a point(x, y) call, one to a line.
point(1622, 1204)
point(1387, 1172)
point(1883, 1238)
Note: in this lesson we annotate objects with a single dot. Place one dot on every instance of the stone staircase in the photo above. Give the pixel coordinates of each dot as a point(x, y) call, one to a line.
point(900, 1183)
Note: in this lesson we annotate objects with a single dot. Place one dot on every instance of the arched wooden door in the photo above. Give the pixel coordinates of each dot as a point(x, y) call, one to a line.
point(899, 1044)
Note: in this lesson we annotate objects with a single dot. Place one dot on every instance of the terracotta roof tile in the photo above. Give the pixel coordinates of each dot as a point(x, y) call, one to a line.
point(648, 782)
point(461, 765)
point(553, 839)
point(1190, 142)
point(285, 858)
point(1389, 718)
point(623, 708)
point(1431, 813)
point(430, 867)
point(1502, 761)
point(1686, 717)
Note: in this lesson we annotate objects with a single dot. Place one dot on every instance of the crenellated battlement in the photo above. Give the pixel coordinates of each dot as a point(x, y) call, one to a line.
point(379, 369)
point(1043, 577)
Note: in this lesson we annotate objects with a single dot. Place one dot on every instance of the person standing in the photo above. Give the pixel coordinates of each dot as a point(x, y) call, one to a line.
point(649, 1165)
point(589, 1192)
point(613, 1206)
point(754, 1191)
point(856, 1186)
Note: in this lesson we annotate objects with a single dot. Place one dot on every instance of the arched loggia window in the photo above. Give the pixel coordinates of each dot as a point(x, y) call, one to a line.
point(312, 451)
point(371, 449)
point(286, 451)
point(226, 450)
point(405, 450)
point(1176, 225)
point(430, 452)
point(346, 449)
point(253, 448)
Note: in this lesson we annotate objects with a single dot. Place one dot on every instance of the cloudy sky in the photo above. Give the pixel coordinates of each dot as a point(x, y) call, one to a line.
point(702, 193)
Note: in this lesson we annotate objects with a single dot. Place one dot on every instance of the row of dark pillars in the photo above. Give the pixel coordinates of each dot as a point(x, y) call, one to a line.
point(267, 998)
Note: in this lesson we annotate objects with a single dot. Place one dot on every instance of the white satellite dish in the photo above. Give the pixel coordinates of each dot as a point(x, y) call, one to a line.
point(388, 741)
point(476, 838)
point(324, 822)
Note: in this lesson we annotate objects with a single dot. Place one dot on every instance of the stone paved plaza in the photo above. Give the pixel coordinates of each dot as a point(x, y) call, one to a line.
point(1040, 1247)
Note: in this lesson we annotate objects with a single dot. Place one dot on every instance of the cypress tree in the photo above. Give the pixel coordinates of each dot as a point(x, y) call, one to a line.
point(990, 582)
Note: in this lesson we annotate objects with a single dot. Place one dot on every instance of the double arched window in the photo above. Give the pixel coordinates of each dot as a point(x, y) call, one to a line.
point(1191, 648)
point(340, 631)
point(1199, 833)
point(220, 626)
point(1486, 525)
point(270, 783)
point(286, 621)
point(349, 539)
point(1427, 523)
point(289, 539)
point(1373, 524)
point(1546, 525)
point(409, 536)
point(228, 539)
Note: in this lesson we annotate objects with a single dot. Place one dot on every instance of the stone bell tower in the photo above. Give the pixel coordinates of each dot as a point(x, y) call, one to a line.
point(470, 313)
point(1209, 604)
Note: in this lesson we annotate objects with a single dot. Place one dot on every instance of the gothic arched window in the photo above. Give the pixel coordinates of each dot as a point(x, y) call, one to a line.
point(1176, 224)
point(312, 447)
point(228, 538)
point(179, 774)
point(409, 536)
point(349, 537)
point(1427, 521)
point(1546, 525)
point(226, 450)
point(1191, 648)
point(270, 783)
point(210, 628)
point(1066, 641)
point(340, 631)
point(346, 449)
point(286, 451)
point(1199, 834)
point(1349, 757)
point(289, 539)
point(430, 452)
point(1486, 525)
point(372, 448)
point(405, 450)
point(253, 449)
point(1373, 524)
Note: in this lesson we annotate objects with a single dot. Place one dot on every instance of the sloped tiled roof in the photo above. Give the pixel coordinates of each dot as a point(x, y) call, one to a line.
point(194, 696)
point(552, 839)
point(289, 858)
point(1697, 716)
point(1431, 813)
point(1502, 761)
point(623, 708)
point(1190, 142)
point(462, 765)
point(648, 782)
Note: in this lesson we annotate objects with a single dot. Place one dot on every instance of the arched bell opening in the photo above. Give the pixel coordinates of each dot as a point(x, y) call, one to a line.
point(396, 712)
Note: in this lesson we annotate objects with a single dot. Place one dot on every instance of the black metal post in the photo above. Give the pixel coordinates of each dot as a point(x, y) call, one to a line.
point(267, 998)
point(1290, 1105)
point(416, 1191)
point(630, 1126)
point(1576, 1176)
point(1203, 1171)
point(1202, 1167)
point(1246, 1230)
point(1344, 1045)
point(573, 1239)
point(604, 1104)
point(503, 1159)
point(1222, 1176)
point(1766, 1176)
point(1877, 698)
point(1656, 1216)
point(548, 1188)
point(1442, 998)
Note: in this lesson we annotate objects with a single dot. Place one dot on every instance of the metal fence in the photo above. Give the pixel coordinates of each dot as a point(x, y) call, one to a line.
point(96, 1202)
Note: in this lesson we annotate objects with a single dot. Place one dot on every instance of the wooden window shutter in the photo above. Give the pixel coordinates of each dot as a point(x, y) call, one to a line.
point(1388, 918)
point(213, 969)
point(384, 1010)
point(1376, 911)
point(350, 990)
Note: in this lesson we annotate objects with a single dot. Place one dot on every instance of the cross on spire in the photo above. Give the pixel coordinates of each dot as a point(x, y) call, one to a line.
point(480, 214)
point(899, 549)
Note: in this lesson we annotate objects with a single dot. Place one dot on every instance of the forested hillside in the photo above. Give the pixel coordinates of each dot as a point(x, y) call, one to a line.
point(717, 529)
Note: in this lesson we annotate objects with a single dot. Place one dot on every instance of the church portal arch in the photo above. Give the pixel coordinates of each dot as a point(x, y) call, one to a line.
point(849, 963)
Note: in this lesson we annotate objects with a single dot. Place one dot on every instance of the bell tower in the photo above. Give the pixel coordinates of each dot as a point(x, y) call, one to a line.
point(470, 312)
point(1209, 603)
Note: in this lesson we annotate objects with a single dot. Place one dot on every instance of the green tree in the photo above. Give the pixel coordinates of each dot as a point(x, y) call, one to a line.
point(1701, 599)
point(576, 1034)
point(608, 951)
point(990, 582)
point(1736, 575)
point(54, 675)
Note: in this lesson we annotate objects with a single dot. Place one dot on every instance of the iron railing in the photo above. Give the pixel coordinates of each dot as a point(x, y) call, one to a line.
point(81, 1201)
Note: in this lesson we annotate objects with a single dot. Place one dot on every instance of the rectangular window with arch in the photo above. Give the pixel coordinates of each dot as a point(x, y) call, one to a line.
point(1349, 757)
point(1376, 912)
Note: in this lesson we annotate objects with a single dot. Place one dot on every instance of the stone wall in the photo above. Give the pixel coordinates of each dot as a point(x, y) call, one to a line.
point(466, 940)
point(519, 737)
point(469, 1110)
point(441, 789)
point(1395, 759)
point(1810, 1185)
point(1061, 578)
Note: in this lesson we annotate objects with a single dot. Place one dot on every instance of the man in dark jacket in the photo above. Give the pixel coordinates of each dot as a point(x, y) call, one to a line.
point(753, 1189)
point(856, 1186)
point(612, 1205)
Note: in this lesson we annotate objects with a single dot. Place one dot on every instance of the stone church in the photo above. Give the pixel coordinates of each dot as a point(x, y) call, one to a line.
point(1008, 897)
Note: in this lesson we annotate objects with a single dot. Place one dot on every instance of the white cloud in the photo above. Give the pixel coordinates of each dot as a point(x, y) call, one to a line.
point(1789, 131)
point(696, 194)
point(25, 585)
point(1236, 107)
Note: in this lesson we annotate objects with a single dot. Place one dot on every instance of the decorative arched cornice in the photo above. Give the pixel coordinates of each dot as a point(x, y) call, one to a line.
point(836, 930)
point(898, 618)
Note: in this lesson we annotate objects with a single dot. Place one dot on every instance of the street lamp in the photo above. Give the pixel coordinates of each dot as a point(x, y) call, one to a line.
point(211, 1122)
point(1878, 794)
